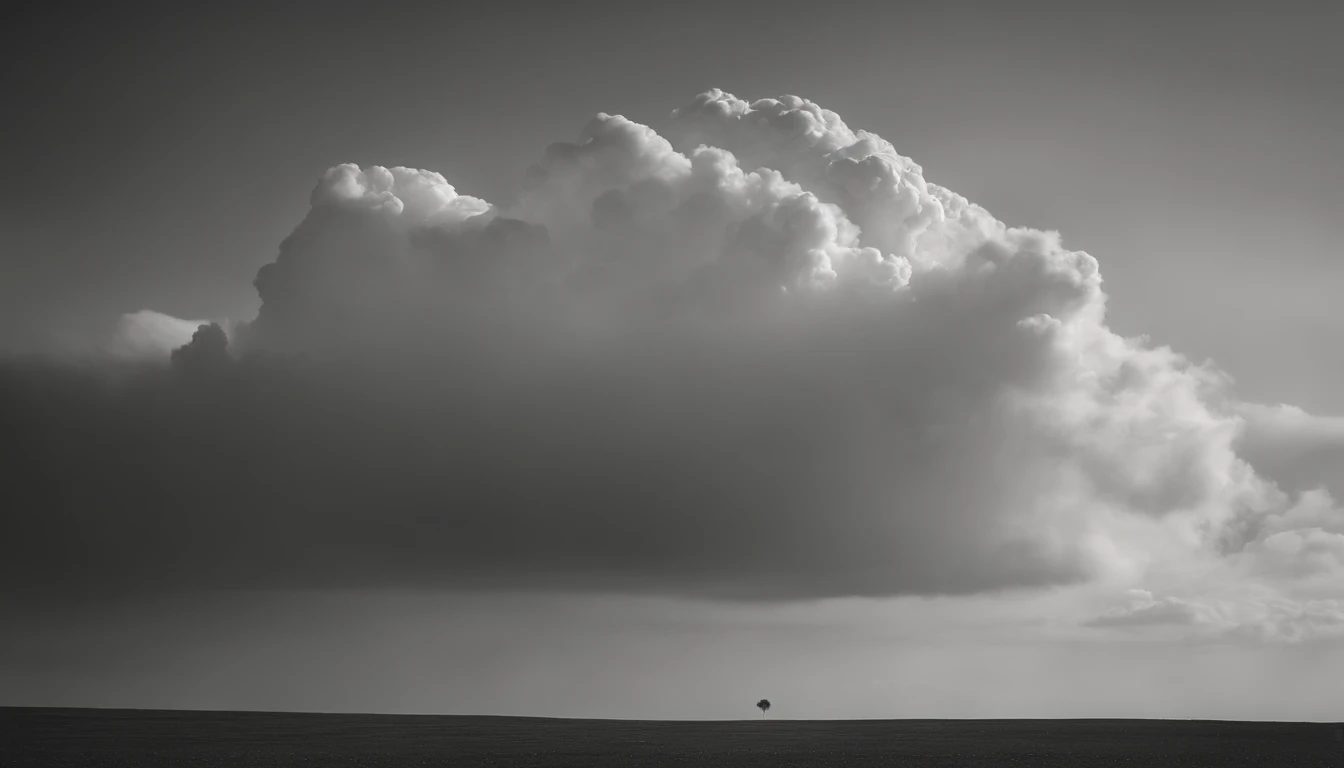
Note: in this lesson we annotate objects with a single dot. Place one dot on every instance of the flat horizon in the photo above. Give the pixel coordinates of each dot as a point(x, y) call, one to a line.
point(140, 739)
point(649, 720)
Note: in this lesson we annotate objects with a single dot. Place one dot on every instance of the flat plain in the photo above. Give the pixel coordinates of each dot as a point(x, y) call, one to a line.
point(151, 739)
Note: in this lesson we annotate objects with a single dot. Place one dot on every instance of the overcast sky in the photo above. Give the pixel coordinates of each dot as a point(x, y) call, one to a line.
point(616, 361)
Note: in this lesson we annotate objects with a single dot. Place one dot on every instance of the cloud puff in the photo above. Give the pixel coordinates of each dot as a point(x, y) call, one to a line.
point(755, 355)
point(1143, 610)
point(1298, 450)
point(150, 335)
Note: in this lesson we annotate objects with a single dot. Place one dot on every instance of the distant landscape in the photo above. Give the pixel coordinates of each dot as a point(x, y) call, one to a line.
point(147, 739)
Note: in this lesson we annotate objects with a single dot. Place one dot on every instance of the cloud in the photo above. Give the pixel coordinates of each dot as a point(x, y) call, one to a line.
point(1145, 611)
point(754, 355)
point(1298, 450)
point(206, 353)
point(148, 335)
point(1240, 612)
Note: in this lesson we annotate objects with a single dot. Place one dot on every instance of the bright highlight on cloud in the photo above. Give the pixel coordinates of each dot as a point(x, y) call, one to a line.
point(150, 335)
point(757, 355)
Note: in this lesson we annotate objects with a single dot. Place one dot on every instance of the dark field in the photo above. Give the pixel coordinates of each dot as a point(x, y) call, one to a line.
point(69, 737)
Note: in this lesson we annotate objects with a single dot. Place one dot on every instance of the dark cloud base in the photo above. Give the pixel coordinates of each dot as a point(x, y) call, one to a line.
point(280, 473)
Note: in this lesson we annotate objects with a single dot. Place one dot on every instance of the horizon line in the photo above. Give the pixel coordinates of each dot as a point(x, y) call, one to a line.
point(315, 713)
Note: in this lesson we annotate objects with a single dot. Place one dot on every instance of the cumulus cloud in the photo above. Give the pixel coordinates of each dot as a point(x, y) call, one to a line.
point(150, 335)
point(755, 354)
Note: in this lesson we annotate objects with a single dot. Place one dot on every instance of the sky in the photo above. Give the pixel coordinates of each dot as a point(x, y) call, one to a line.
point(885, 360)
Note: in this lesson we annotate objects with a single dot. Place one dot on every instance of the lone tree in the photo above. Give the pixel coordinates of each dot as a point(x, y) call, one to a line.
point(764, 706)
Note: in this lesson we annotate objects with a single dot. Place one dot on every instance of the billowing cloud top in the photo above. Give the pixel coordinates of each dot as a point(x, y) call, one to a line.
point(758, 355)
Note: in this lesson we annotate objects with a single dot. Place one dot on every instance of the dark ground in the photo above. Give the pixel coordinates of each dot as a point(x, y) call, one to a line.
point(146, 739)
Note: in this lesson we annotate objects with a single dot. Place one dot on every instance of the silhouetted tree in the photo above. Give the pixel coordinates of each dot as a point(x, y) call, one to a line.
point(764, 706)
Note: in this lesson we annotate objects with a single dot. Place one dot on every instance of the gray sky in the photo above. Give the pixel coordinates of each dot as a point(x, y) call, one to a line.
point(159, 157)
